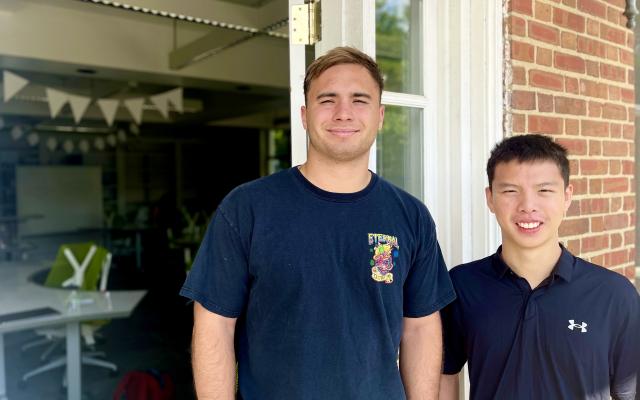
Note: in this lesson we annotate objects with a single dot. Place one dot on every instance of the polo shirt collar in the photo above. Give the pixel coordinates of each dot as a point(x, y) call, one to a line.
point(563, 268)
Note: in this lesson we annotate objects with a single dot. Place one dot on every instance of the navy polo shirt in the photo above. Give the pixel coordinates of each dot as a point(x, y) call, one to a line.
point(575, 336)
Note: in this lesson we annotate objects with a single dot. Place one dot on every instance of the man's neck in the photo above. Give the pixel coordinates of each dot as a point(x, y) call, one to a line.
point(534, 265)
point(337, 177)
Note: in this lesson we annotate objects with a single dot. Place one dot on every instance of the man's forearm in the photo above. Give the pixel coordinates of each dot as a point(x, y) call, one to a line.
point(213, 356)
point(421, 357)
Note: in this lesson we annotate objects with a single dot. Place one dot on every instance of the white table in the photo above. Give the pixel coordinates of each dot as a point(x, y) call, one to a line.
point(18, 294)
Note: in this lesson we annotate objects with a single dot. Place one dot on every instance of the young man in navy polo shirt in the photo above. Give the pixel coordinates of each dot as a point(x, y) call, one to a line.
point(314, 279)
point(533, 321)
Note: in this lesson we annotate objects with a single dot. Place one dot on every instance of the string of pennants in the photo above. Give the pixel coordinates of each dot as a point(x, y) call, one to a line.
point(57, 99)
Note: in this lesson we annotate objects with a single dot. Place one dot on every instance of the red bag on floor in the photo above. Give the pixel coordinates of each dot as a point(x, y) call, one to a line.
point(145, 385)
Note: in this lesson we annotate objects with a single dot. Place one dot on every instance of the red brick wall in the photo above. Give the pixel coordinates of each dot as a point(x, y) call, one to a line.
point(569, 74)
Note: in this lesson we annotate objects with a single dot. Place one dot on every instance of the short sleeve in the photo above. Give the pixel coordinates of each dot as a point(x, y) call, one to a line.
point(219, 277)
point(427, 288)
point(625, 362)
point(453, 339)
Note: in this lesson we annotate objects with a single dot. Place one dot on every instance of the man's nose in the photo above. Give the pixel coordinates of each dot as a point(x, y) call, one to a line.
point(527, 203)
point(343, 111)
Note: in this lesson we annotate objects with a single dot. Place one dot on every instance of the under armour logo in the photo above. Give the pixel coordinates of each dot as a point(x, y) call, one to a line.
point(583, 326)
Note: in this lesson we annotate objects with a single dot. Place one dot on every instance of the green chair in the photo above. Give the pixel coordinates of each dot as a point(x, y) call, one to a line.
point(82, 266)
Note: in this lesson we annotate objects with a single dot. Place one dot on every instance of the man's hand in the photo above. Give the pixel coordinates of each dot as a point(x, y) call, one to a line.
point(213, 357)
point(421, 356)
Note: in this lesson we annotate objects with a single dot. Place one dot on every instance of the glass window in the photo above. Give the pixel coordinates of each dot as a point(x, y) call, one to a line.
point(398, 49)
point(399, 149)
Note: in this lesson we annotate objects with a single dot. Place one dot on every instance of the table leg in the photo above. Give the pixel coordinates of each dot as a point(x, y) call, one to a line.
point(3, 382)
point(74, 367)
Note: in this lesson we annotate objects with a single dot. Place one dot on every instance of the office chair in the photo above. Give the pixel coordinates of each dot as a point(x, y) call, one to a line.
point(83, 266)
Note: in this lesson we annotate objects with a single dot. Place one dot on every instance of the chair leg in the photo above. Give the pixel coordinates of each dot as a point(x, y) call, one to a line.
point(49, 366)
point(99, 363)
point(34, 343)
point(50, 349)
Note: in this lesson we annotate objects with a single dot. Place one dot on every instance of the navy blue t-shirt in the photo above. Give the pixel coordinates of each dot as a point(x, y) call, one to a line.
point(320, 283)
point(576, 336)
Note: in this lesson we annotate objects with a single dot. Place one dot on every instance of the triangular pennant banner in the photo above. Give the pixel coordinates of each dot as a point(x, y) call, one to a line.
point(161, 101)
point(109, 108)
point(175, 97)
point(135, 108)
point(12, 84)
point(57, 100)
point(135, 129)
point(79, 105)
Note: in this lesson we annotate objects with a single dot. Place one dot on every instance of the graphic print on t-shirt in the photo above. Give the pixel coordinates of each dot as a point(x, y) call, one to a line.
point(384, 251)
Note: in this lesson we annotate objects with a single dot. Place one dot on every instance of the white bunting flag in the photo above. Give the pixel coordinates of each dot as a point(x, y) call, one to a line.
point(52, 143)
point(175, 97)
point(33, 139)
point(99, 143)
point(111, 139)
point(68, 146)
point(161, 101)
point(12, 84)
point(79, 106)
point(135, 129)
point(109, 108)
point(135, 108)
point(57, 100)
point(84, 146)
point(16, 132)
point(122, 135)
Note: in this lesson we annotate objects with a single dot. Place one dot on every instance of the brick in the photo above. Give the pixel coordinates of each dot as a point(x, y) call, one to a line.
point(593, 27)
point(617, 3)
point(631, 113)
point(631, 78)
point(544, 33)
point(568, 105)
point(628, 132)
point(594, 167)
point(595, 109)
point(573, 246)
point(571, 126)
point(614, 35)
point(594, 128)
point(517, 26)
point(615, 130)
point(595, 148)
point(597, 224)
point(591, 47)
point(545, 102)
point(613, 15)
point(570, 3)
point(573, 166)
point(612, 72)
point(569, 40)
point(615, 185)
point(614, 93)
point(615, 167)
point(616, 221)
point(616, 204)
point(571, 85)
point(571, 227)
point(521, 6)
point(573, 210)
point(616, 240)
point(629, 238)
point(598, 260)
point(519, 76)
point(593, 68)
point(568, 20)
point(546, 80)
point(630, 271)
point(595, 186)
point(594, 89)
point(626, 57)
point(569, 62)
point(576, 147)
point(612, 53)
point(628, 95)
point(523, 100)
point(542, 11)
point(614, 111)
point(594, 206)
point(593, 243)
point(543, 56)
point(593, 8)
point(522, 51)
point(615, 149)
point(580, 186)
point(518, 123)
point(619, 257)
point(548, 125)
point(628, 167)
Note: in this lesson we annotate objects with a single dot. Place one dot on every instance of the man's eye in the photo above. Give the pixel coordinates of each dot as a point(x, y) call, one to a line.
point(508, 191)
point(360, 101)
point(326, 101)
point(546, 190)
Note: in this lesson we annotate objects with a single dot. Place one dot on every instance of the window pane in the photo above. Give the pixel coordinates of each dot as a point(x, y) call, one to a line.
point(399, 148)
point(398, 44)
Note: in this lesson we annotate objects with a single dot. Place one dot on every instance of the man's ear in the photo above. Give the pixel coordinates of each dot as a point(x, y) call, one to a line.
point(488, 194)
point(303, 116)
point(381, 117)
point(568, 195)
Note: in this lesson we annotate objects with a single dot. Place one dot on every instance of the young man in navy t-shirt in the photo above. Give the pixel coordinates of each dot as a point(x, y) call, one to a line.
point(533, 321)
point(315, 280)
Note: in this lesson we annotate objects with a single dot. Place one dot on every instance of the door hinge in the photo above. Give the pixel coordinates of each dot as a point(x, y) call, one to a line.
point(305, 20)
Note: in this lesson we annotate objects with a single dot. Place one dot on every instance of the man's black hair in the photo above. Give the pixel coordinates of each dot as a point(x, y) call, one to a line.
point(528, 148)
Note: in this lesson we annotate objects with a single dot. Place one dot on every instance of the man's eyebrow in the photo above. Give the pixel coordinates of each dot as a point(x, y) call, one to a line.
point(359, 94)
point(326, 94)
point(333, 94)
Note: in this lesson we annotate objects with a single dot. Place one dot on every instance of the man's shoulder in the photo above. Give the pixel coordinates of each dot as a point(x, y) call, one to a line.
point(471, 270)
point(617, 284)
point(409, 202)
point(255, 189)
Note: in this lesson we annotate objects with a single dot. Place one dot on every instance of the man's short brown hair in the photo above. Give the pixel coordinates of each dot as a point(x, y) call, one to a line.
point(338, 56)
